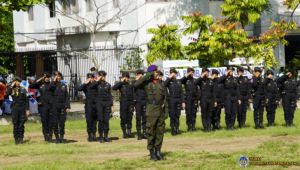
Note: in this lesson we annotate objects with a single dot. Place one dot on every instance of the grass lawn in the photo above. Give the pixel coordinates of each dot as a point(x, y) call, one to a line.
point(191, 150)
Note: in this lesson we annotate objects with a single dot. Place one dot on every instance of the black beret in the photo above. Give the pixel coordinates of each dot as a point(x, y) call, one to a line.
point(214, 71)
point(205, 69)
point(23, 77)
point(93, 69)
point(46, 74)
point(173, 71)
point(17, 79)
point(288, 70)
point(125, 74)
point(140, 72)
point(270, 72)
point(190, 69)
point(102, 73)
point(160, 73)
point(230, 68)
point(90, 75)
point(57, 73)
point(240, 69)
point(257, 69)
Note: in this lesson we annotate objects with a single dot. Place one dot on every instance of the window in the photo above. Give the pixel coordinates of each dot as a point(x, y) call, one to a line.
point(70, 7)
point(158, 0)
point(52, 9)
point(89, 5)
point(116, 3)
point(66, 7)
point(30, 13)
point(75, 6)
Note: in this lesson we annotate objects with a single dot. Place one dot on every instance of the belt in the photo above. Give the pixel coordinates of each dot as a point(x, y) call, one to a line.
point(155, 102)
point(59, 101)
point(91, 101)
point(206, 96)
point(19, 104)
point(230, 94)
point(103, 99)
point(142, 98)
point(243, 94)
point(126, 99)
point(175, 96)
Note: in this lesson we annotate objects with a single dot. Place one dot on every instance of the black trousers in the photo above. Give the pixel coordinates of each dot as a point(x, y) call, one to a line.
point(289, 105)
point(259, 103)
point(216, 117)
point(242, 109)
point(191, 105)
point(271, 107)
point(18, 118)
point(207, 107)
point(103, 115)
point(126, 112)
point(91, 117)
point(230, 104)
point(46, 118)
point(140, 109)
point(60, 117)
point(175, 105)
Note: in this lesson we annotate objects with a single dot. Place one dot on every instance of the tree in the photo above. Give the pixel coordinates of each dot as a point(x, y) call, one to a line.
point(7, 6)
point(164, 44)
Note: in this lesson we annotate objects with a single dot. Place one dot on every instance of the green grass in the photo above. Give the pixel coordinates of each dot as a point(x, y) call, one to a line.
point(42, 155)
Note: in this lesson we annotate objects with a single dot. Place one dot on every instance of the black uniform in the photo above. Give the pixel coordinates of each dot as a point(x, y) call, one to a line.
point(45, 107)
point(19, 106)
point(245, 95)
point(231, 91)
point(126, 107)
point(207, 100)
point(60, 103)
point(289, 98)
point(259, 101)
point(219, 91)
point(176, 98)
point(90, 110)
point(273, 97)
point(103, 105)
point(140, 100)
point(191, 101)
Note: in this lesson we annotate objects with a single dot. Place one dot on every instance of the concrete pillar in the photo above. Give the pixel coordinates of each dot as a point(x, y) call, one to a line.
point(39, 65)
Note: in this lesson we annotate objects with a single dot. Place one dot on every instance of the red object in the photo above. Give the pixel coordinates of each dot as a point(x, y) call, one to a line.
point(154, 80)
point(95, 77)
point(31, 90)
point(2, 91)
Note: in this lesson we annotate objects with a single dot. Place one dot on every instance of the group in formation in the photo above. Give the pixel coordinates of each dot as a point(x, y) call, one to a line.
point(154, 100)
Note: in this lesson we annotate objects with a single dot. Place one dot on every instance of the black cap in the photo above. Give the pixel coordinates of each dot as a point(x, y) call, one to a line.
point(17, 79)
point(57, 73)
point(46, 74)
point(160, 73)
point(102, 73)
point(23, 77)
point(90, 75)
point(93, 69)
point(205, 69)
point(288, 70)
point(190, 69)
point(257, 69)
point(230, 68)
point(173, 71)
point(125, 74)
point(240, 69)
point(270, 72)
point(214, 71)
point(140, 72)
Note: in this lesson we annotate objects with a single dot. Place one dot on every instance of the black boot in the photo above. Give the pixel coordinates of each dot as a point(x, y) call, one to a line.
point(106, 139)
point(16, 141)
point(144, 136)
point(218, 126)
point(50, 138)
point(139, 135)
point(152, 155)
point(177, 131)
point(261, 125)
point(57, 139)
point(228, 126)
point(101, 137)
point(46, 137)
point(62, 139)
point(94, 137)
point(158, 155)
point(129, 134)
point(173, 131)
point(90, 137)
point(273, 124)
point(240, 124)
point(244, 124)
point(21, 141)
point(256, 125)
point(208, 128)
point(194, 128)
point(125, 136)
point(291, 123)
point(190, 127)
point(232, 127)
